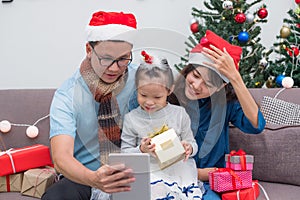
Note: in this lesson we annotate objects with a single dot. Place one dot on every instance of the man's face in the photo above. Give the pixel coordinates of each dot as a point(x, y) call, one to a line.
point(105, 53)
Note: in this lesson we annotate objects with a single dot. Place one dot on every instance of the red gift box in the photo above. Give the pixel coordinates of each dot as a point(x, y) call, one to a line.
point(243, 194)
point(225, 179)
point(21, 159)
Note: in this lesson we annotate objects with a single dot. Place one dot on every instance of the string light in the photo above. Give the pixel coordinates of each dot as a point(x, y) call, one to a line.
point(32, 131)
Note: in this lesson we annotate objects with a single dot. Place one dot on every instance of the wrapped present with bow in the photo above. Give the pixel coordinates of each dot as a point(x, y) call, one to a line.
point(22, 159)
point(243, 194)
point(36, 181)
point(239, 160)
point(11, 183)
point(225, 179)
point(168, 147)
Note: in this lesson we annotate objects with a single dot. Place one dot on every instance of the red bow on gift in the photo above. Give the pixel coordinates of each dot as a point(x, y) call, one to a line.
point(242, 155)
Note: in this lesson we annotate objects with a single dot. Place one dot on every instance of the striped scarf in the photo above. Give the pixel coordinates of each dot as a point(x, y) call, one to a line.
point(109, 118)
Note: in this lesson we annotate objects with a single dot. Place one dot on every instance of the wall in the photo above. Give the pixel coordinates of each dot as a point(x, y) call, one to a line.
point(42, 42)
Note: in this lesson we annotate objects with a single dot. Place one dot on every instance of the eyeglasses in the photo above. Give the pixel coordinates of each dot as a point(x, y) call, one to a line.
point(107, 62)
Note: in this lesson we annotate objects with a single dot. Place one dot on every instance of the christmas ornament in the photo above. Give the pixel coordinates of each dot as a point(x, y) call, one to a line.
point(297, 1)
point(243, 37)
point(5, 126)
point(240, 18)
point(285, 31)
point(227, 5)
point(194, 27)
point(32, 131)
point(279, 80)
point(263, 62)
point(294, 51)
point(287, 82)
point(249, 17)
point(262, 13)
point(270, 83)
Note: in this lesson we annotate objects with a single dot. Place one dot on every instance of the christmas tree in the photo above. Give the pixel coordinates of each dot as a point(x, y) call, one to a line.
point(284, 71)
point(233, 21)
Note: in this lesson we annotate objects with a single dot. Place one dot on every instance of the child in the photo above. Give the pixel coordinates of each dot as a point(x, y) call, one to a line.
point(154, 82)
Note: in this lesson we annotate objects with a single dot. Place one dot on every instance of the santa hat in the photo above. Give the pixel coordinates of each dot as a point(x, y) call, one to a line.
point(107, 25)
point(210, 38)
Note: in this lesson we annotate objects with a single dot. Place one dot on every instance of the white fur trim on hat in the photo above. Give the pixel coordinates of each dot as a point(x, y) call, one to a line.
point(106, 32)
point(199, 58)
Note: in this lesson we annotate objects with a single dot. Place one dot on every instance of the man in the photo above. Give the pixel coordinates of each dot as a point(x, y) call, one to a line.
point(86, 111)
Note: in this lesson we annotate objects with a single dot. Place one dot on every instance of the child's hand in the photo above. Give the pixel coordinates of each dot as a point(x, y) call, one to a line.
point(188, 149)
point(147, 147)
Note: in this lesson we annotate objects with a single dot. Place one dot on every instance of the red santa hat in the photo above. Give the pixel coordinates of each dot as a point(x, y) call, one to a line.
point(107, 25)
point(210, 38)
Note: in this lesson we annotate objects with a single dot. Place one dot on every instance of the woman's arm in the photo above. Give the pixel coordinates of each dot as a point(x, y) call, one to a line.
point(225, 64)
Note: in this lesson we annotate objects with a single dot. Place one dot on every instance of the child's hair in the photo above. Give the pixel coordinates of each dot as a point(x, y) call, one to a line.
point(159, 69)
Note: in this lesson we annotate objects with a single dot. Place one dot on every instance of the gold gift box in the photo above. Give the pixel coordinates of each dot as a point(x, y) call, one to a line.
point(168, 148)
point(14, 181)
point(36, 181)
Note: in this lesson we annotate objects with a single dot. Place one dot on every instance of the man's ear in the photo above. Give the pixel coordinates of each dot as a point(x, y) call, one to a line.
point(171, 89)
point(88, 49)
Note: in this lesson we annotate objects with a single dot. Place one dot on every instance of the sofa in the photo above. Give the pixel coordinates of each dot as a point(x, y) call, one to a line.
point(276, 151)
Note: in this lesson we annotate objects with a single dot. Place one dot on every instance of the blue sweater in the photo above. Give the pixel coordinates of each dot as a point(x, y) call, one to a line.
point(212, 131)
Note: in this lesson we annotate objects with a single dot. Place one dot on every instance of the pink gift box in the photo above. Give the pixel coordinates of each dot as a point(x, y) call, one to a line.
point(239, 160)
point(238, 166)
point(225, 179)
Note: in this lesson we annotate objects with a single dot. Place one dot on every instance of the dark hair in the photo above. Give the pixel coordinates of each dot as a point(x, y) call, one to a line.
point(160, 70)
point(178, 96)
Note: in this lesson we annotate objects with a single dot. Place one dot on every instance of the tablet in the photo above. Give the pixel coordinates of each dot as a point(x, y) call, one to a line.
point(140, 164)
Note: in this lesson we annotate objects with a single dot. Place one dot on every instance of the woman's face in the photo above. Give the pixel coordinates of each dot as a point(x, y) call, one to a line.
point(109, 50)
point(198, 83)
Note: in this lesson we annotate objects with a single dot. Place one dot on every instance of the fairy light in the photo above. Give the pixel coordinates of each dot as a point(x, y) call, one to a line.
point(32, 131)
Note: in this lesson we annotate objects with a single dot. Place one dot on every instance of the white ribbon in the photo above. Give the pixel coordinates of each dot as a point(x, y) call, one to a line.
point(10, 151)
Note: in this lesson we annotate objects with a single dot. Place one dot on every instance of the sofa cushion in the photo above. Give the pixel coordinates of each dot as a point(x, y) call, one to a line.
point(276, 152)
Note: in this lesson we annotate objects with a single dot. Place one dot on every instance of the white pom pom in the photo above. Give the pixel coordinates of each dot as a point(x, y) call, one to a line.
point(32, 131)
point(5, 126)
point(287, 82)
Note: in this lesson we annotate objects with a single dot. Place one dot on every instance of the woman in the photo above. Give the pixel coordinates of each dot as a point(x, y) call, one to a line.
point(214, 95)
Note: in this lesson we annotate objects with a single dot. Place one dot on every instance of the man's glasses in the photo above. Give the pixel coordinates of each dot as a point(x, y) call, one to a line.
point(107, 62)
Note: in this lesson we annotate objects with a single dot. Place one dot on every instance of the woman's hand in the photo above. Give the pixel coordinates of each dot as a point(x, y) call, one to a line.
point(188, 149)
point(114, 178)
point(222, 61)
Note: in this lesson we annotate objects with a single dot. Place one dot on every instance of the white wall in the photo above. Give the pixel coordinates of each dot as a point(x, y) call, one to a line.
point(43, 42)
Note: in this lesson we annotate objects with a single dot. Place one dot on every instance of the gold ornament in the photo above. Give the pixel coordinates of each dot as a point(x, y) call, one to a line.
point(285, 31)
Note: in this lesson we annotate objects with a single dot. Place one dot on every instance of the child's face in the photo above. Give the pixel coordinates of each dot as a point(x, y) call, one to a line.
point(152, 96)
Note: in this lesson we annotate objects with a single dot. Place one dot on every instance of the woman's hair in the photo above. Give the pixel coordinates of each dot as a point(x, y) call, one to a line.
point(178, 96)
point(160, 69)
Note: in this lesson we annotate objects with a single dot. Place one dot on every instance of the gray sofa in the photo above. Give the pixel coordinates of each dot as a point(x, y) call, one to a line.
point(276, 150)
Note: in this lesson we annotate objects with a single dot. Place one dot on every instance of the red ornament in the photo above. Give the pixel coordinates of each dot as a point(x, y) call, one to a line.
point(240, 18)
point(297, 1)
point(262, 13)
point(298, 25)
point(294, 51)
point(194, 27)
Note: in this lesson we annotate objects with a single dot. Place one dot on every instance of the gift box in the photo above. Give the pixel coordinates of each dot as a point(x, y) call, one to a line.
point(243, 194)
point(11, 183)
point(239, 160)
point(21, 159)
point(168, 148)
point(225, 179)
point(36, 181)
